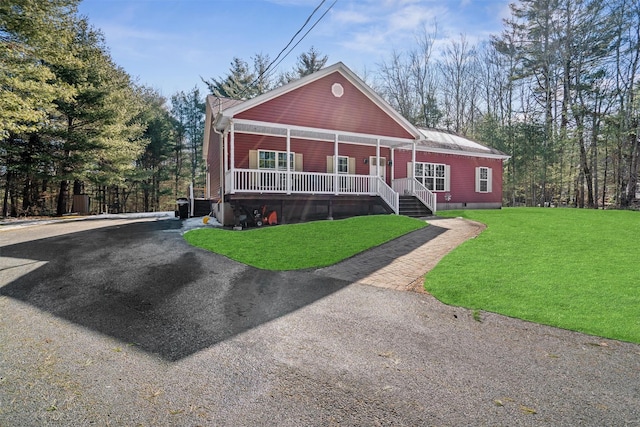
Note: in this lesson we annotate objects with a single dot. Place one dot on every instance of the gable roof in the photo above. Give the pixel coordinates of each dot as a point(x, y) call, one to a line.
point(226, 114)
point(441, 141)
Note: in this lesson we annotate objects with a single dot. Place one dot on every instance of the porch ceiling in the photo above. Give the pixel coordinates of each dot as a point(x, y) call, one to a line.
point(328, 135)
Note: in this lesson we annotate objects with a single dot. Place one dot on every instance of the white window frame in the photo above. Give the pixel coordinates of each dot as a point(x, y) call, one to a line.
point(483, 179)
point(277, 154)
point(344, 167)
point(434, 176)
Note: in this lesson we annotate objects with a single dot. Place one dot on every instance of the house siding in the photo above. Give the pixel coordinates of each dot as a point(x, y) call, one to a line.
point(314, 153)
point(462, 178)
point(214, 165)
point(314, 105)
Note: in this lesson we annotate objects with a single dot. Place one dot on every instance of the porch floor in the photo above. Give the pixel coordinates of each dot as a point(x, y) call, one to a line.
point(402, 263)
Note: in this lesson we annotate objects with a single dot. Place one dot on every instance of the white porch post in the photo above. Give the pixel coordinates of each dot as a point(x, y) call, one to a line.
point(378, 166)
point(378, 157)
point(288, 161)
point(232, 155)
point(335, 164)
point(393, 175)
point(413, 164)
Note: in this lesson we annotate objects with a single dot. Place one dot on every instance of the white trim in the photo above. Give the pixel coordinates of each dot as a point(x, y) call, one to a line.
point(338, 67)
point(446, 179)
point(488, 180)
point(385, 141)
point(287, 154)
point(338, 163)
point(463, 153)
point(232, 153)
point(337, 90)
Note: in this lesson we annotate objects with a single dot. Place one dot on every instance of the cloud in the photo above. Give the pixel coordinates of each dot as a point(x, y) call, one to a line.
point(372, 26)
point(116, 32)
point(350, 17)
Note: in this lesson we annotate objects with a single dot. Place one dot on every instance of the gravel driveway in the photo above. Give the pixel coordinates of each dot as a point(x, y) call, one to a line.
point(128, 325)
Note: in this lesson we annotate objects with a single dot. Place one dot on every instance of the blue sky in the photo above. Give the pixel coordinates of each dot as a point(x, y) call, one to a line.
point(170, 44)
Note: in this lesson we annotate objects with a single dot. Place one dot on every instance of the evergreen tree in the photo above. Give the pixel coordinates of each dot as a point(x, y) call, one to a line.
point(188, 110)
point(32, 35)
point(310, 62)
point(238, 84)
point(153, 165)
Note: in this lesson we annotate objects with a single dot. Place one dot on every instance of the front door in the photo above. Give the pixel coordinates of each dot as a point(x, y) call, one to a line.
point(383, 167)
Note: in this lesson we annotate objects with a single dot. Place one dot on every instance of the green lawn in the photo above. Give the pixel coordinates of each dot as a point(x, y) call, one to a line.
point(297, 246)
point(571, 268)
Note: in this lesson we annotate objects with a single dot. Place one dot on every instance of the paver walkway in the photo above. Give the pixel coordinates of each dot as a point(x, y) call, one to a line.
point(402, 263)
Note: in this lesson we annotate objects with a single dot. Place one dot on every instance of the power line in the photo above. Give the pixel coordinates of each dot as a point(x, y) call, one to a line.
point(308, 31)
point(266, 71)
point(295, 35)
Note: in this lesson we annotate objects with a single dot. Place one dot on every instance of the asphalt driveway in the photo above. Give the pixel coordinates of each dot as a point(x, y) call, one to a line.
point(129, 325)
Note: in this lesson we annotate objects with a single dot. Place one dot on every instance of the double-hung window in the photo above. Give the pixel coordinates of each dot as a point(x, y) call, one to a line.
point(483, 180)
point(343, 164)
point(434, 176)
point(275, 160)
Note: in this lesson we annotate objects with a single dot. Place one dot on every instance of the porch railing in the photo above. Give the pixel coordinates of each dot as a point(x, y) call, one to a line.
point(273, 182)
point(413, 187)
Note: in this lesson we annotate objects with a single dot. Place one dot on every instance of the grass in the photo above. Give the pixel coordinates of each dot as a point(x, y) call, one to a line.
point(308, 245)
point(570, 268)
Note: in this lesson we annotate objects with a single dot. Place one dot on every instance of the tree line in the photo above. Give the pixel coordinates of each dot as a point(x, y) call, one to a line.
point(557, 90)
point(74, 123)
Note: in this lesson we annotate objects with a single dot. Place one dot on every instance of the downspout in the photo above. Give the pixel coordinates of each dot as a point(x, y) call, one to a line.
point(221, 170)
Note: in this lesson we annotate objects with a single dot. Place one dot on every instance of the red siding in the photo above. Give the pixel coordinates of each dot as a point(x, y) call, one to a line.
point(313, 105)
point(463, 175)
point(314, 153)
point(214, 162)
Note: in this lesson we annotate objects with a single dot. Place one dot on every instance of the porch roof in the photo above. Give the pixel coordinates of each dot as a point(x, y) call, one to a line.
point(328, 135)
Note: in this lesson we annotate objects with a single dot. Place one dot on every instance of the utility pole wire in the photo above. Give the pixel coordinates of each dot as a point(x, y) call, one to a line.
point(267, 69)
point(293, 38)
point(308, 31)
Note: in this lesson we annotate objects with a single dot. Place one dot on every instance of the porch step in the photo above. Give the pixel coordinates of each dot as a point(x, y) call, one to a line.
point(411, 206)
point(201, 207)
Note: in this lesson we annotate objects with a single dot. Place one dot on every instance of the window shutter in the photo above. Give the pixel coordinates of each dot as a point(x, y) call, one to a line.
point(253, 159)
point(447, 178)
point(298, 162)
point(477, 180)
point(352, 165)
point(410, 170)
point(329, 164)
point(489, 179)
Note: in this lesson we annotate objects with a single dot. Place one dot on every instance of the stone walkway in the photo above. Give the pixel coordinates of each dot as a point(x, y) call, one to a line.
point(402, 263)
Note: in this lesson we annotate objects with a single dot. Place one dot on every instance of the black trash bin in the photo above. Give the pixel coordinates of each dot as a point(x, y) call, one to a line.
point(183, 207)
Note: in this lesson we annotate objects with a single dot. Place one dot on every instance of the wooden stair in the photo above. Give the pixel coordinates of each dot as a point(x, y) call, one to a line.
point(411, 206)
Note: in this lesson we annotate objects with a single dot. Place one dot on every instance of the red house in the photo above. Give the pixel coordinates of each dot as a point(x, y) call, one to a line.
point(328, 146)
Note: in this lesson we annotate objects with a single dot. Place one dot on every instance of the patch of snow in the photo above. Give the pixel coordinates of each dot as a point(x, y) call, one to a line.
point(193, 223)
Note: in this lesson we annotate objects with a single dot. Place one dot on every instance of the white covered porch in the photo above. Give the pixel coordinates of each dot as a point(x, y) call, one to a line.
point(288, 181)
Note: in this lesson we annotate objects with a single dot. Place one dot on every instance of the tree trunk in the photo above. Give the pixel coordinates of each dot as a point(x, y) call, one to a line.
point(5, 202)
point(61, 208)
point(632, 180)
